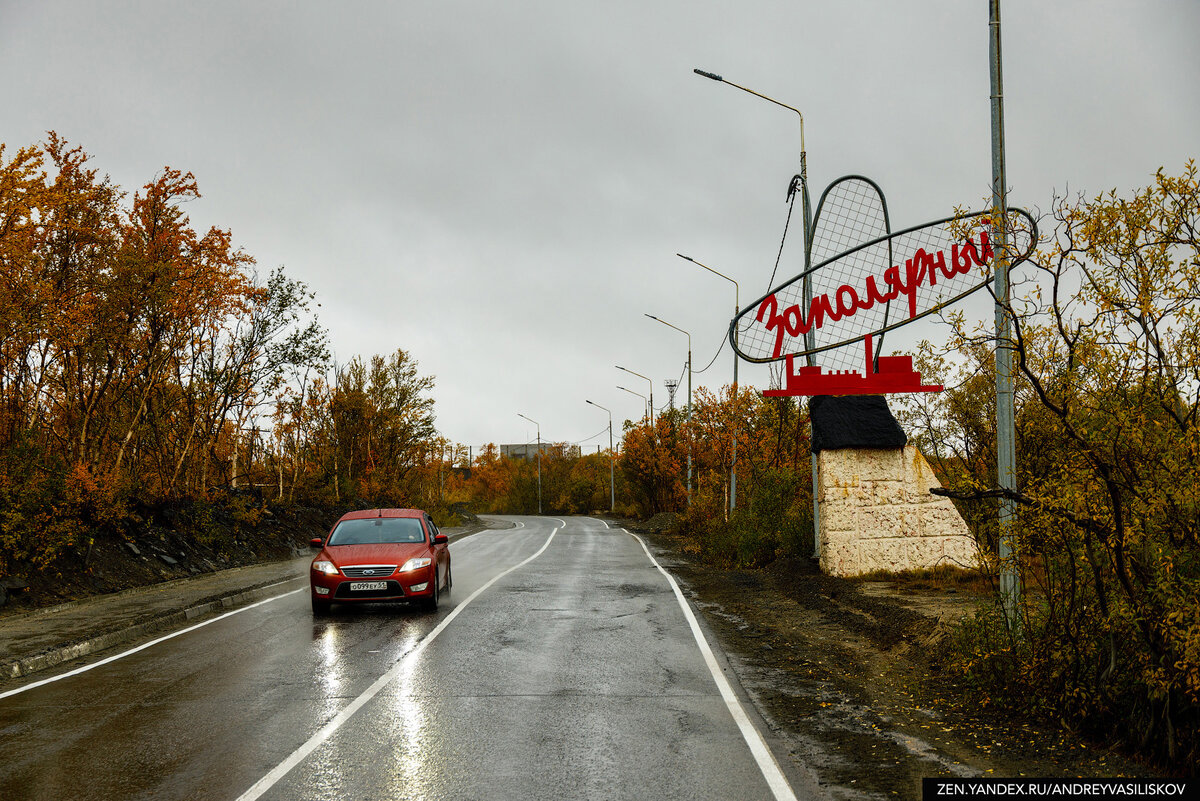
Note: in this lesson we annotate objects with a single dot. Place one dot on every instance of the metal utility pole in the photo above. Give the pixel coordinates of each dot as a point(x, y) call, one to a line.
point(689, 403)
point(736, 308)
point(1006, 448)
point(648, 381)
point(810, 336)
point(645, 403)
point(612, 482)
point(539, 444)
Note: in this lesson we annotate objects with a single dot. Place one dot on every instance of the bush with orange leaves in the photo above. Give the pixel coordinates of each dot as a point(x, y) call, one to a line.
point(1106, 333)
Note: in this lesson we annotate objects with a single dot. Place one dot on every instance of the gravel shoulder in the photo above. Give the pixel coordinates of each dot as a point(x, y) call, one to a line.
point(848, 675)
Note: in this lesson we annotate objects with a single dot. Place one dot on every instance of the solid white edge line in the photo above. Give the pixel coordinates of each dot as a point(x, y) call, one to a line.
point(325, 732)
point(146, 645)
point(758, 746)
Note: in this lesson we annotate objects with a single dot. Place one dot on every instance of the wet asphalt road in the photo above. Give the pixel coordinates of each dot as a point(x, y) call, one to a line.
point(573, 676)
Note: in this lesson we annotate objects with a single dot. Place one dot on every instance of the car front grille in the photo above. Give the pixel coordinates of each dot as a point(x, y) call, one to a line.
point(368, 571)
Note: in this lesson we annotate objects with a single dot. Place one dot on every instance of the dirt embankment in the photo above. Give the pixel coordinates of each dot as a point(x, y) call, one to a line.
point(157, 546)
point(849, 675)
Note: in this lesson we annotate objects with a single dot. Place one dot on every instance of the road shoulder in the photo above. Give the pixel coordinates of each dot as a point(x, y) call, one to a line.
point(46, 638)
point(851, 683)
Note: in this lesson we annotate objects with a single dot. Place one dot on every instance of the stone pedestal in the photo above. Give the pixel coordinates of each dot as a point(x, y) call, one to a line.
point(877, 514)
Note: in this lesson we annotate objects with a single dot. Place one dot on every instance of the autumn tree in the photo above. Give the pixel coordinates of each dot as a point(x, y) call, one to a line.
point(491, 480)
point(653, 463)
point(773, 514)
point(1106, 330)
point(135, 349)
point(379, 426)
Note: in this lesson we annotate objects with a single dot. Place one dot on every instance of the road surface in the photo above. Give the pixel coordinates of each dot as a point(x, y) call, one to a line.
point(564, 665)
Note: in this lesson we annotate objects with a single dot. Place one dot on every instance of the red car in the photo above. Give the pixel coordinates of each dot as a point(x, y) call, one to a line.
point(381, 555)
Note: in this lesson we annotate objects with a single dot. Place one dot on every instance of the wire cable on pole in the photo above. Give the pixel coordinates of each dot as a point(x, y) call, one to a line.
point(592, 437)
point(786, 224)
point(714, 358)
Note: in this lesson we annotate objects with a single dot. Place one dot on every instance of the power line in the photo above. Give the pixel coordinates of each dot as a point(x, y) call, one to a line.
point(714, 358)
point(592, 437)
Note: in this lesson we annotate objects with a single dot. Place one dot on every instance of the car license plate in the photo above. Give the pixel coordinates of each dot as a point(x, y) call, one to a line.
point(355, 586)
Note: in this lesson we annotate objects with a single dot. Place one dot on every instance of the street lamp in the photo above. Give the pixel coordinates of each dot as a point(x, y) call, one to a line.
point(803, 156)
point(647, 380)
point(810, 337)
point(736, 307)
point(539, 444)
point(612, 485)
point(645, 403)
point(689, 403)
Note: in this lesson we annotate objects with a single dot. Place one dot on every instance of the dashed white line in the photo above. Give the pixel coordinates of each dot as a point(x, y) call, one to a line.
point(328, 730)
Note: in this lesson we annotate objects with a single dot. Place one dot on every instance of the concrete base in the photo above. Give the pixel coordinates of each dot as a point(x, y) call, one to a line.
point(877, 514)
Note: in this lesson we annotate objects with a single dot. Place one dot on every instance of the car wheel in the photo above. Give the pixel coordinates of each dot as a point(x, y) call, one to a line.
point(320, 607)
point(432, 602)
point(449, 580)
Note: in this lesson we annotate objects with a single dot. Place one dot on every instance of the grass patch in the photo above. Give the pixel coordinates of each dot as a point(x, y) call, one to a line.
point(940, 577)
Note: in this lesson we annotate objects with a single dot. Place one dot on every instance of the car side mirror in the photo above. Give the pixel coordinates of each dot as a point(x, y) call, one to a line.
point(316, 542)
point(440, 539)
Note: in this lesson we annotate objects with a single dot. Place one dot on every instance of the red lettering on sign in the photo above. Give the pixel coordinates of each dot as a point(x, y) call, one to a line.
point(921, 269)
point(873, 295)
point(937, 263)
point(851, 305)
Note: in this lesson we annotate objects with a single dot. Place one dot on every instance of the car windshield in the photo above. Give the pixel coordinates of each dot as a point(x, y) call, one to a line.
point(376, 530)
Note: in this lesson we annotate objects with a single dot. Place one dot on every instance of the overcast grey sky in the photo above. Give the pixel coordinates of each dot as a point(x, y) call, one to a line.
point(500, 188)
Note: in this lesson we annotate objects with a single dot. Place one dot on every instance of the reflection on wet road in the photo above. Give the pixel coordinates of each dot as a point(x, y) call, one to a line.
point(568, 672)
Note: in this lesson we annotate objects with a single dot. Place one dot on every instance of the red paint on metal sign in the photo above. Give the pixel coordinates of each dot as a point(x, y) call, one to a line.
point(923, 269)
point(894, 374)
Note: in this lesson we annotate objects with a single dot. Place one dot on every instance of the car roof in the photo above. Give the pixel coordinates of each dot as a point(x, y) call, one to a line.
point(368, 513)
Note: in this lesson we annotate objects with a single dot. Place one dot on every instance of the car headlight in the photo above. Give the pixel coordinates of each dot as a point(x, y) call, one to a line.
point(328, 568)
point(413, 564)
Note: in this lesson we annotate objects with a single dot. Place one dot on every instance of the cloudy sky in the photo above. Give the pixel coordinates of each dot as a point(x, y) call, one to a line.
point(501, 188)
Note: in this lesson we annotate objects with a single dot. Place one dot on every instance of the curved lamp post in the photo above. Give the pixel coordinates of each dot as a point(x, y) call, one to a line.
point(803, 155)
point(539, 443)
point(689, 403)
point(810, 337)
point(648, 381)
point(736, 308)
point(612, 485)
point(645, 403)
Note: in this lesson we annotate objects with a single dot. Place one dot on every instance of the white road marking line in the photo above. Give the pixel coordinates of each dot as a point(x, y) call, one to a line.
point(758, 746)
point(146, 645)
point(328, 730)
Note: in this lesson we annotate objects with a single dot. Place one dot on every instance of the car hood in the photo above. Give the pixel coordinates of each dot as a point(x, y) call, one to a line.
point(396, 553)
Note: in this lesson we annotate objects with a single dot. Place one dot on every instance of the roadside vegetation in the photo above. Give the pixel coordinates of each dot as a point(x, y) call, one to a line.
point(148, 370)
point(150, 374)
point(1106, 333)
point(773, 514)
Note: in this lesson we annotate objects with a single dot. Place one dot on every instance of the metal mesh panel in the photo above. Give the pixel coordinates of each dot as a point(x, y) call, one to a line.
point(852, 211)
point(856, 281)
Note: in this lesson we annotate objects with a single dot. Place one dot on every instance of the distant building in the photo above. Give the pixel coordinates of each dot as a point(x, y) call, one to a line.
point(529, 450)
